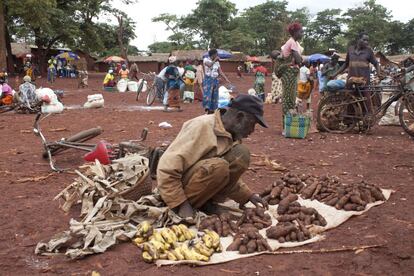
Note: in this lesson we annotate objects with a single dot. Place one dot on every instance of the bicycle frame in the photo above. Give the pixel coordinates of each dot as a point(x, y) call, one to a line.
point(398, 92)
point(62, 143)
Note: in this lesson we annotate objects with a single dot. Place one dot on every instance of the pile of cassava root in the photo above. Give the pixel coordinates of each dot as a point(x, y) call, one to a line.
point(327, 189)
point(349, 197)
point(222, 225)
point(248, 240)
point(255, 217)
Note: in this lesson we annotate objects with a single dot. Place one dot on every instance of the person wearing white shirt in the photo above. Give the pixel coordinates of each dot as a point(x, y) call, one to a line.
point(212, 72)
point(304, 86)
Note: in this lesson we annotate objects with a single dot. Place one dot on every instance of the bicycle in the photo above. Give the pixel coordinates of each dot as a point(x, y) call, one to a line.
point(75, 142)
point(155, 91)
point(341, 111)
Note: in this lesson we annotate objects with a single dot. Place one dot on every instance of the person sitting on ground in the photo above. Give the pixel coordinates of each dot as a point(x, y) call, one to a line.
point(6, 95)
point(26, 94)
point(124, 72)
point(204, 163)
point(109, 80)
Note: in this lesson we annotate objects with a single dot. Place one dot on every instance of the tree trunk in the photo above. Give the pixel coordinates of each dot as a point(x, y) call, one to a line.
point(120, 36)
point(10, 61)
point(3, 50)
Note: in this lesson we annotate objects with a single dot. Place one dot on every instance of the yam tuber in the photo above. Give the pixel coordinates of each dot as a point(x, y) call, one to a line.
point(291, 217)
point(277, 231)
point(284, 204)
point(243, 249)
point(275, 193)
point(251, 246)
point(309, 190)
point(273, 201)
point(342, 201)
point(234, 246)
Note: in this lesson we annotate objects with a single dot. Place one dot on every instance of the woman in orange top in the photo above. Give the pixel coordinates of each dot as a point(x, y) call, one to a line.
point(124, 72)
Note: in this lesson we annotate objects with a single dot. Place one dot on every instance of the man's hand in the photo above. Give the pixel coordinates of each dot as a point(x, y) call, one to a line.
point(185, 210)
point(256, 200)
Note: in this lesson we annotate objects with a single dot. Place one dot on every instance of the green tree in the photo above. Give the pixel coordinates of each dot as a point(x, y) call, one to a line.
point(267, 24)
point(181, 38)
point(3, 50)
point(209, 20)
point(48, 23)
point(409, 33)
point(371, 18)
point(162, 47)
point(397, 37)
point(324, 32)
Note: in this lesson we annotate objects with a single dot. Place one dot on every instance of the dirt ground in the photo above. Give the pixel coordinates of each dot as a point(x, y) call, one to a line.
point(29, 214)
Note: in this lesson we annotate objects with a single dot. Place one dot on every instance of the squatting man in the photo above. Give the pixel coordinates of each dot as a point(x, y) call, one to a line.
point(204, 163)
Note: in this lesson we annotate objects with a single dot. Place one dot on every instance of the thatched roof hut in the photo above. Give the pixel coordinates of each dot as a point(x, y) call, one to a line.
point(20, 50)
point(184, 55)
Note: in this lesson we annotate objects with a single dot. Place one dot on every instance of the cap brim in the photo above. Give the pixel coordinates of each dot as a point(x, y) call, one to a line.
point(261, 121)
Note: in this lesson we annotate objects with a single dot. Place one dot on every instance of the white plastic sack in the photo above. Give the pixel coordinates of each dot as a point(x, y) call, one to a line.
point(94, 101)
point(188, 95)
point(43, 93)
point(95, 97)
point(52, 108)
point(165, 125)
point(94, 104)
point(132, 86)
point(251, 92)
point(52, 105)
point(122, 85)
point(390, 118)
point(224, 97)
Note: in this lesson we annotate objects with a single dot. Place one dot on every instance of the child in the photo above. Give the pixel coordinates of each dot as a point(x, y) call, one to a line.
point(259, 83)
point(304, 87)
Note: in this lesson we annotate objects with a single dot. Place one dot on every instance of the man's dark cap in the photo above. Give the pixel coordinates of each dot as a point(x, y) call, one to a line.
point(250, 104)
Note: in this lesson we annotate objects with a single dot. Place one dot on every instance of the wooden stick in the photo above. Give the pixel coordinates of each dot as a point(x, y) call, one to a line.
point(34, 179)
point(327, 250)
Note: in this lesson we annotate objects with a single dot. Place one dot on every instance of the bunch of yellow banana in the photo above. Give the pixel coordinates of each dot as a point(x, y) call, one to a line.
point(144, 231)
point(182, 232)
point(172, 244)
point(183, 252)
point(212, 240)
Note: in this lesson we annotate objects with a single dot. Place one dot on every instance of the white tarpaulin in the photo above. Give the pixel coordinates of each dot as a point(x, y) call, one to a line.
point(333, 217)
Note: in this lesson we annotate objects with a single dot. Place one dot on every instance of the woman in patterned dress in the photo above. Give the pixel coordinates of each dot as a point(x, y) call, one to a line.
point(287, 67)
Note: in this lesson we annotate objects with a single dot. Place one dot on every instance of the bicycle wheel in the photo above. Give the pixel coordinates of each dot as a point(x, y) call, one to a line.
point(338, 113)
point(406, 114)
point(152, 94)
point(141, 85)
point(79, 137)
